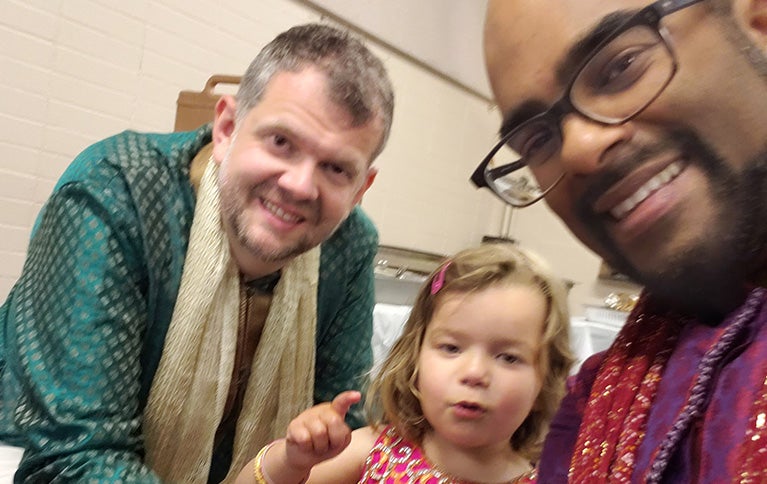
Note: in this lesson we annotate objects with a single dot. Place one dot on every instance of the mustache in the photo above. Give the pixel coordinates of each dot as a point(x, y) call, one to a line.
point(625, 159)
point(272, 191)
point(688, 145)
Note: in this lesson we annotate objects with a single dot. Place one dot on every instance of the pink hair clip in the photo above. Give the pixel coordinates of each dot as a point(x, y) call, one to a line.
point(439, 279)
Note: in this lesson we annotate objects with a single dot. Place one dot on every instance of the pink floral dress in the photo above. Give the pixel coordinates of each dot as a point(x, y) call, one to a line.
point(394, 460)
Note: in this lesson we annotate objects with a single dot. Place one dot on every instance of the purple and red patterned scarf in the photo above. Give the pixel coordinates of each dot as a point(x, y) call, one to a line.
point(678, 401)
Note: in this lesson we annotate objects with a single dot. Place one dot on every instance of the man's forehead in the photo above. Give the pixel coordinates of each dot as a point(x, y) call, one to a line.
point(526, 42)
point(579, 14)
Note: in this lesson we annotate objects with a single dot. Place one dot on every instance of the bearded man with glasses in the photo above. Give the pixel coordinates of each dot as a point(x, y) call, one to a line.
point(644, 128)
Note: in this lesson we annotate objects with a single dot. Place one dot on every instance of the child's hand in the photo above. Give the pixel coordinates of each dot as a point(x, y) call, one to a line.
point(320, 433)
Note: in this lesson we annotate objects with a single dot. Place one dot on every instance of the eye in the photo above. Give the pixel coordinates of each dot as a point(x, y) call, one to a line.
point(448, 348)
point(337, 172)
point(508, 358)
point(534, 143)
point(335, 168)
point(279, 143)
point(280, 140)
point(620, 71)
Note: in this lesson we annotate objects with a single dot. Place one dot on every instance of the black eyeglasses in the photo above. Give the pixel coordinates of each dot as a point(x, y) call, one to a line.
point(623, 75)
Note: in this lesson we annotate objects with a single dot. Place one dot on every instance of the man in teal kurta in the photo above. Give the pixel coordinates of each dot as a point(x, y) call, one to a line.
point(83, 331)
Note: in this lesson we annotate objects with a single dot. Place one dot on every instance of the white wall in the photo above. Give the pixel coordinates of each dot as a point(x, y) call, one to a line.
point(75, 71)
point(445, 35)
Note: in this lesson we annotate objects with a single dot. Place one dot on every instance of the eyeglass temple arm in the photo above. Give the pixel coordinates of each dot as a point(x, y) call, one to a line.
point(478, 177)
point(666, 7)
point(504, 170)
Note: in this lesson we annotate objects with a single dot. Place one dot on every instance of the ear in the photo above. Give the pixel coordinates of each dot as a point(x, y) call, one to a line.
point(224, 126)
point(371, 175)
point(751, 15)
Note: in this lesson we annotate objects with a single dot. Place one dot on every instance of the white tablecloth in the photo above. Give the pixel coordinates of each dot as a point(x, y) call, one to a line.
point(388, 321)
point(589, 337)
point(9, 461)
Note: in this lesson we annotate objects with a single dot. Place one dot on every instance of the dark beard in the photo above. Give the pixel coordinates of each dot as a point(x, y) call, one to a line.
point(710, 278)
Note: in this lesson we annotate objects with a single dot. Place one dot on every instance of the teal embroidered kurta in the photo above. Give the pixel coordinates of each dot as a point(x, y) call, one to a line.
point(82, 331)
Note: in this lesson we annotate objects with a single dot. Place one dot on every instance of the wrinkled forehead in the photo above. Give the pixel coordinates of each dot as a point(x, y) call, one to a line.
point(527, 40)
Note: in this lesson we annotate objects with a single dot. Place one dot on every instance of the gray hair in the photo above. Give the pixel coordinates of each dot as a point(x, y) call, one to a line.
point(357, 79)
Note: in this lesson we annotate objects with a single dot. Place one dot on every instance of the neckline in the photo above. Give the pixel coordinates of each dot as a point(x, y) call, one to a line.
point(459, 480)
point(262, 285)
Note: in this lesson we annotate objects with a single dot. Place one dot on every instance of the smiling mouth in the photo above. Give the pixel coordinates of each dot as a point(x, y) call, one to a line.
point(660, 180)
point(280, 213)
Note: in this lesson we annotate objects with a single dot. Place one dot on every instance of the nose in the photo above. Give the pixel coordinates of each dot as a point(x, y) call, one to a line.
point(299, 180)
point(586, 142)
point(475, 370)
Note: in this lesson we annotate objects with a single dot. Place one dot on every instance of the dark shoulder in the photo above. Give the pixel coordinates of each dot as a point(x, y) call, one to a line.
point(133, 155)
point(140, 179)
point(356, 239)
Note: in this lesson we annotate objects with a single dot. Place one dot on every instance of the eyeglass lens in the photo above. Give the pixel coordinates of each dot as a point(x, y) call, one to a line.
point(618, 82)
point(624, 76)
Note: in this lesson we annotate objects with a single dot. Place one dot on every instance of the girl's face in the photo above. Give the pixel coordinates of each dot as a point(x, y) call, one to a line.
point(478, 373)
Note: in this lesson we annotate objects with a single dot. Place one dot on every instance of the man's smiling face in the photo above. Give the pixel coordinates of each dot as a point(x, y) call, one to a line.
point(292, 169)
point(675, 196)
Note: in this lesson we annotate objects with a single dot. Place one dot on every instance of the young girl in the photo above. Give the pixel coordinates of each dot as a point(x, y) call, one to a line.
point(465, 394)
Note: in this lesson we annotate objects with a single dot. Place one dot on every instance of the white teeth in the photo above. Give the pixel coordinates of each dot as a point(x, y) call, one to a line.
point(622, 209)
point(280, 213)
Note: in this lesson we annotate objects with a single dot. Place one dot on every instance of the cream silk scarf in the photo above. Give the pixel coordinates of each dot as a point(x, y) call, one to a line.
point(190, 388)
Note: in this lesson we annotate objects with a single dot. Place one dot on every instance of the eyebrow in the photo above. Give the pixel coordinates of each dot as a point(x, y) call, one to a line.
point(586, 44)
point(520, 114)
point(567, 67)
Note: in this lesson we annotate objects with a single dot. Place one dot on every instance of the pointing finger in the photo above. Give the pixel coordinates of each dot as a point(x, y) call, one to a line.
point(344, 400)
